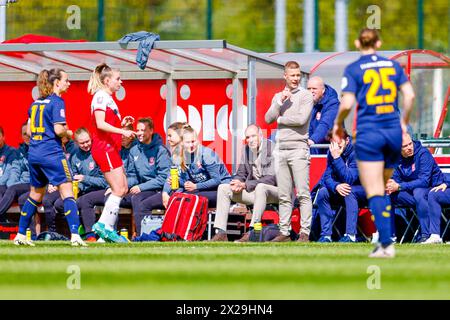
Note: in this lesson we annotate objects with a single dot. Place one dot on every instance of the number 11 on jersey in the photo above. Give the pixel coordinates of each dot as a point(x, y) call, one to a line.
point(39, 119)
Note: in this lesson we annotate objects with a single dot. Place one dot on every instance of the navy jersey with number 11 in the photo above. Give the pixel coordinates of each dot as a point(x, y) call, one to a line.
point(43, 114)
point(375, 81)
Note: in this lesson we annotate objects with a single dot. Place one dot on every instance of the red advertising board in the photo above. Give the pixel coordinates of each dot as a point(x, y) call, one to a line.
point(205, 104)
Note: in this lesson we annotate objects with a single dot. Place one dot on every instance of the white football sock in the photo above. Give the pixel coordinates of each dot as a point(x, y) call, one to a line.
point(110, 212)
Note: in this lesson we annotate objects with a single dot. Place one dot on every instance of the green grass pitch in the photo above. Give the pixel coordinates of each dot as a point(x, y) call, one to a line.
point(221, 271)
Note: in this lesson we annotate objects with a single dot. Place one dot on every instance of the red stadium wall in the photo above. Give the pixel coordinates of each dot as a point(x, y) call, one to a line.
point(265, 92)
point(141, 99)
point(16, 101)
point(205, 104)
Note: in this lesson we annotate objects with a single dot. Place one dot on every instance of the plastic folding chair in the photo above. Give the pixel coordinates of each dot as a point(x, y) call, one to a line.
point(410, 223)
point(338, 209)
point(446, 221)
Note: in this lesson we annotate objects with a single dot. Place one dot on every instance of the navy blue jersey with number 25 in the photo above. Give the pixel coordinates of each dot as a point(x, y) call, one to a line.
point(375, 81)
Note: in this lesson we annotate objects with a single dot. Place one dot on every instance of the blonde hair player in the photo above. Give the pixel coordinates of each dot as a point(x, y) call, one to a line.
point(106, 145)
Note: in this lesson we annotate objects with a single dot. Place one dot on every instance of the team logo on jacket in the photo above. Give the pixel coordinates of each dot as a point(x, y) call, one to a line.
point(413, 167)
point(2, 159)
point(318, 115)
point(62, 113)
point(91, 165)
point(151, 161)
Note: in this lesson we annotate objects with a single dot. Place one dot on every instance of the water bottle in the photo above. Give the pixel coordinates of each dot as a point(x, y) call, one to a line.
point(124, 233)
point(174, 178)
point(75, 189)
point(255, 235)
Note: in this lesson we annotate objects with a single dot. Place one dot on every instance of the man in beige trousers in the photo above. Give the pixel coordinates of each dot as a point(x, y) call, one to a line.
point(254, 183)
point(292, 109)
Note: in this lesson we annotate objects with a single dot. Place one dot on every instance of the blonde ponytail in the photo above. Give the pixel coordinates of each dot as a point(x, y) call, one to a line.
point(95, 83)
point(97, 80)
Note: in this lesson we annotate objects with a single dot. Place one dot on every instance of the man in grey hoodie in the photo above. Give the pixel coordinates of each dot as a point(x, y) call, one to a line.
point(292, 109)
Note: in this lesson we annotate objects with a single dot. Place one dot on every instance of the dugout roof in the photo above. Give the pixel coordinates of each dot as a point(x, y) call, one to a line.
point(22, 59)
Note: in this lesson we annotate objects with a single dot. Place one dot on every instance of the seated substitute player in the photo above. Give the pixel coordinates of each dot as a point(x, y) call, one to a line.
point(340, 186)
point(106, 144)
point(202, 170)
point(7, 156)
point(48, 164)
point(19, 178)
point(152, 163)
point(411, 183)
point(437, 197)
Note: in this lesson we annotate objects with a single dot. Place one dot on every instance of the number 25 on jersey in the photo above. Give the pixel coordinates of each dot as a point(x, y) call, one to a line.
point(380, 78)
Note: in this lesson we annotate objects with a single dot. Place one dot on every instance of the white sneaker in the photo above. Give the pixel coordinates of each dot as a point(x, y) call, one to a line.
point(21, 240)
point(76, 241)
point(375, 237)
point(433, 239)
point(380, 252)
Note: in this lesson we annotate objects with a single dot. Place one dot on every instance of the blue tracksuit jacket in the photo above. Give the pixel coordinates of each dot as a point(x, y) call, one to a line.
point(418, 171)
point(341, 170)
point(20, 170)
point(152, 163)
point(7, 157)
point(205, 169)
point(323, 114)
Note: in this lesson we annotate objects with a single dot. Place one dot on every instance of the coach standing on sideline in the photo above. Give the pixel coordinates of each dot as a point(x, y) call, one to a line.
point(292, 108)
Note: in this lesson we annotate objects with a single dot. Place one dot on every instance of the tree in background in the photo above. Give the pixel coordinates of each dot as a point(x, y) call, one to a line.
point(249, 23)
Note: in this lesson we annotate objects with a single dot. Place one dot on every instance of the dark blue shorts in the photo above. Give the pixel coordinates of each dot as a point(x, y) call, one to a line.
point(54, 170)
point(380, 145)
